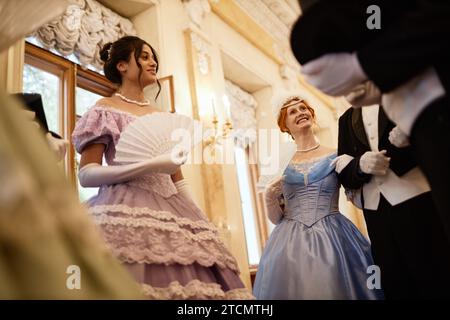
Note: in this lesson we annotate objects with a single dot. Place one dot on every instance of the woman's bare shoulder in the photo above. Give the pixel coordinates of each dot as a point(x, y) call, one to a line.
point(111, 102)
point(106, 101)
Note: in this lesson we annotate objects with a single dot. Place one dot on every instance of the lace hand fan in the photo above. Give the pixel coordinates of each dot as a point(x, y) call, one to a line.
point(156, 134)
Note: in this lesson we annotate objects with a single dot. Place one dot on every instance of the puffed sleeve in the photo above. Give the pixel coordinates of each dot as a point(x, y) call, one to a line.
point(96, 126)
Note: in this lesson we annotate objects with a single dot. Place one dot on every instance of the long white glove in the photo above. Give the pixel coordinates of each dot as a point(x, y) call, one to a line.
point(375, 163)
point(365, 94)
point(183, 188)
point(398, 138)
point(272, 196)
point(335, 74)
point(96, 175)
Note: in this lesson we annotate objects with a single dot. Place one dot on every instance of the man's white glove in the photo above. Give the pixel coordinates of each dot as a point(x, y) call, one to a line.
point(365, 94)
point(340, 162)
point(272, 197)
point(335, 74)
point(183, 188)
point(96, 175)
point(375, 163)
point(398, 138)
point(59, 146)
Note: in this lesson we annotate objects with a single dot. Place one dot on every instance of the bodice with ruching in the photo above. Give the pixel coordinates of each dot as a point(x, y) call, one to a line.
point(310, 190)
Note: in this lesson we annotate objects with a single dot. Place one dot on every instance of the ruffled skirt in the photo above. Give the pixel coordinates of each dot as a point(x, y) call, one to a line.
point(167, 243)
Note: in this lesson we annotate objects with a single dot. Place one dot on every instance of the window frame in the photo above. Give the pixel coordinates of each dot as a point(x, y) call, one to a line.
point(258, 204)
point(71, 76)
point(257, 201)
point(258, 197)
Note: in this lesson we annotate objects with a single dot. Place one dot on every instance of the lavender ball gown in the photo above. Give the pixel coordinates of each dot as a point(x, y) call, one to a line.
point(163, 238)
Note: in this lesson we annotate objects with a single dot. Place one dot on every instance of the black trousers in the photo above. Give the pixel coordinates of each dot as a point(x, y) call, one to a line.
point(410, 247)
point(430, 141)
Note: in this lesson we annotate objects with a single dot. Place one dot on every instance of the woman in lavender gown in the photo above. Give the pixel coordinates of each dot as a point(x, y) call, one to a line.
point(314, 252)
point(144, 210)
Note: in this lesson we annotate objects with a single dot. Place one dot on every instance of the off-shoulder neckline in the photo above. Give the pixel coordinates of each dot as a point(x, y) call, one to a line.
point(314, 159)
point(115, 110)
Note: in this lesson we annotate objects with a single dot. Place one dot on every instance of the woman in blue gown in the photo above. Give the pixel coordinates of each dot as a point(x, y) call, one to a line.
point(314, 252)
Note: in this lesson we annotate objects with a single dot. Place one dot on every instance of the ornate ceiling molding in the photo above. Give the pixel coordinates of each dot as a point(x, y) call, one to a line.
point(202, 50)
point(243, 113)
point(282, 11)
point(237, 18)
point(275, 16)
point(197, 9)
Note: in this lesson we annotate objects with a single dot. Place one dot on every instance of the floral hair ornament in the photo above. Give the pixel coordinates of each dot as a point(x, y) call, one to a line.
point(109, 52)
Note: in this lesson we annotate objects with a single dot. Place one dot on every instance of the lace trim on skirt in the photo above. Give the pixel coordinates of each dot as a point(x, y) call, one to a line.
point(153, 241)
point(160, 215)
point(195, 289)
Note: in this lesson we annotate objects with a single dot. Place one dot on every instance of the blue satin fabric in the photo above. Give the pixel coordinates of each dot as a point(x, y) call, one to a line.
point(314, 252)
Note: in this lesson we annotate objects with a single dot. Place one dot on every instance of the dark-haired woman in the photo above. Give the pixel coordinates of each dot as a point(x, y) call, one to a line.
point(143, 209)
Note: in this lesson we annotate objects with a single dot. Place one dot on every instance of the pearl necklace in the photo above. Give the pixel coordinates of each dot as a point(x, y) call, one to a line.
point(139, 103)
point(309, 149)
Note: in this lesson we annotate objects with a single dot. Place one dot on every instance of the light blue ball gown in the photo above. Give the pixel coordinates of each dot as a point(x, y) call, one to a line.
point(314, 252)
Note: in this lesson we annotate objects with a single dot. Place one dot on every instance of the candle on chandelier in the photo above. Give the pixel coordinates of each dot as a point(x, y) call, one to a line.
point(226, 103)
point(213, 106)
